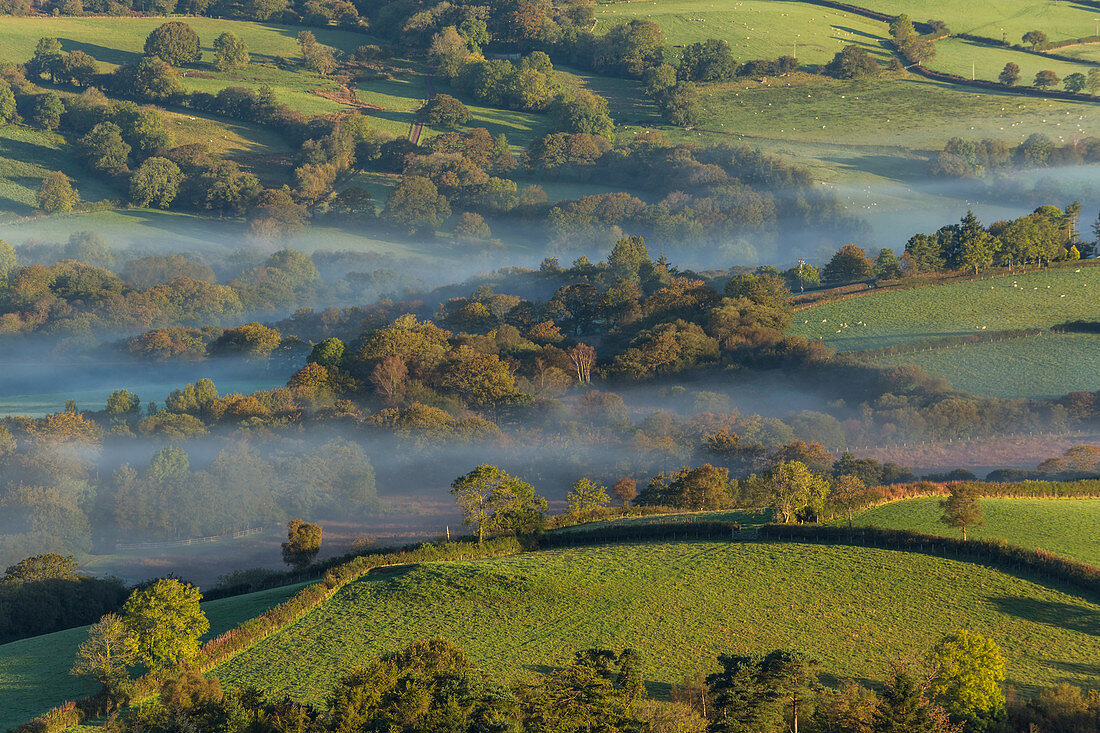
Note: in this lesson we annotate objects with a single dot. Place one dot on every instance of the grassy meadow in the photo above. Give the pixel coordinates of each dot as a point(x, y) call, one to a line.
point(1063, 526)
point(1058, 19)
point(115, 41)
point(962, 57)
point(1036, 366)
point(1038, 300)
point(755, 29)
point(26, 155)
point(855, 609)
point(34, 673)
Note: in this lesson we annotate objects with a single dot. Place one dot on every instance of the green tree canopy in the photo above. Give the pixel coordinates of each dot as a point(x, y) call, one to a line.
point(166, 622)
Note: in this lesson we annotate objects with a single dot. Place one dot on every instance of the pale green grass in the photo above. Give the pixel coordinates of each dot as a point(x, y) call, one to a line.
point(952, 309)
point(1063, 526)
point(755, 29)
point(1037, 366)
point(908, 112)
point(680, 605)
point(961, 57)
point(34, 673)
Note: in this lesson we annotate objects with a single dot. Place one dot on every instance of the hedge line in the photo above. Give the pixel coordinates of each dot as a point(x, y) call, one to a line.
point(997, 86)
point(1038, 51)
point(994, 553)
point(252, 631)
point(717, 530)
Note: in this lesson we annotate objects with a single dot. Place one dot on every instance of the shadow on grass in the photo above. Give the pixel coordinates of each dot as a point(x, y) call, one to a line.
point(1063, 615)
point(104, 54)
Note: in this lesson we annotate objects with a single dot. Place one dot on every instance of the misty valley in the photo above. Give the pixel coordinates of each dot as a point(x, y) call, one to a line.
point(628, 366)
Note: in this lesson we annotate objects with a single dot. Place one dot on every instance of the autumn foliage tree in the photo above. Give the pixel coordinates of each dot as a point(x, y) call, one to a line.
point(303, 542)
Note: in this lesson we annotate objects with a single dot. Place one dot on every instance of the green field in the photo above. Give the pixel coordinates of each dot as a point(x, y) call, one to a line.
point(755, 29)
point(115, 41)
point(34, 673)
point(953, 309)
point(1063, 526)
point(26, 155)
point(909, 112)
point(1058, 19)
point(961, 57)
point(1037, 366)
point(856, 609)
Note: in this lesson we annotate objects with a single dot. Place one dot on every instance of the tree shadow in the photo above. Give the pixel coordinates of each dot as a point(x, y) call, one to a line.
point(857, 32)
point(104, 54)
point(1069, 616)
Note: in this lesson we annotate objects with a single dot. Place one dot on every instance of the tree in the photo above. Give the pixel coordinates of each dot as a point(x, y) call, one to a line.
point(166, 622)
point(49, 566)
point(852, 62)
point(681, 105)
point(625, 490)
point(493, 501)
point(1046, 78)
point(582, 112)
point(47, 60)
point(56, 194)
point(791, 488)
point(901, 28)
point(152, 79)
point(276, 214)
point(849, 264)
point(887, 266)
point(586, 495)
point(230, 52)
point(977, 251)
point(904, 707)
point(1035, 38)
point(416, 204)
point(1092, 81)
point(751, 694)
point(8, 262)
point(175, 43)
point(1010, 74)
point(156, 182)
point(303, 542)
point(962, 509)
point(7, 103)
point(444, 111)
point(969, 670)
point(846, 491)
point(47, 110)
point(471, 227)
point(107, 654)
point(582, 357)
point(1075, 82)
point(103, 148)
point(709, 60)
point(80, 68)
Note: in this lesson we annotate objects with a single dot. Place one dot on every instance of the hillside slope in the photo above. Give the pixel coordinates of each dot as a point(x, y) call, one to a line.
point(856, 609)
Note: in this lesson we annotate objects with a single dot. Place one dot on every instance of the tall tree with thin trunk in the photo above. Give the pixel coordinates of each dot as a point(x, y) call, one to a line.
point(846, 489)
point(962, 509)
point(582, 357)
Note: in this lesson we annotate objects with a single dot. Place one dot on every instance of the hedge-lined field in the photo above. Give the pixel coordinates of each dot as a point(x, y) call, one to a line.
point(1065, 527)
point(682, 604)
point(1058, 19)
point(1036, 366)
point(34, 673)
point(1038, 300)
point(755, 29)
point(25, 156)
point(955, 56)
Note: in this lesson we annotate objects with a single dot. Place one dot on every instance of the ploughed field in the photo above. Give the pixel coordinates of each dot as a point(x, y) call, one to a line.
point(856, 609)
